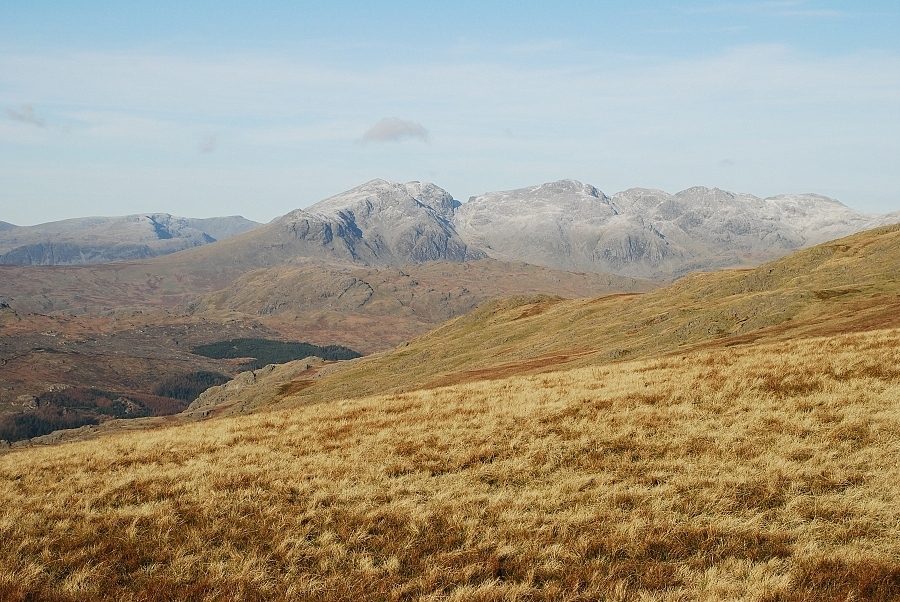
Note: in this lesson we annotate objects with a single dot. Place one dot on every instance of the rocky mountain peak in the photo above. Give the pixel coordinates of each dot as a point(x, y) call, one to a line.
point(382, 196)
point(808, 199)
point(704, 194)
point(433, 196)
point(376, 223)
point(552, 197)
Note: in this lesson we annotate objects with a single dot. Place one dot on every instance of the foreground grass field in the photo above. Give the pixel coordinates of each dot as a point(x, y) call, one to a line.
point(763, 472)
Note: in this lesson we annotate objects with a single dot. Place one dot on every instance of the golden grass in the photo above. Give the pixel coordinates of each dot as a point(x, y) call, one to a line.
point(765, 472)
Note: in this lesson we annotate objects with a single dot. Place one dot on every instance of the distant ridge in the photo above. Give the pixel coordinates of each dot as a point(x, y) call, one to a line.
point(105, 239)
point(564, 225)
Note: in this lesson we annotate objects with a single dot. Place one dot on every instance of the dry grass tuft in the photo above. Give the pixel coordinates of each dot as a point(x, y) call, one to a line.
point(766, 472)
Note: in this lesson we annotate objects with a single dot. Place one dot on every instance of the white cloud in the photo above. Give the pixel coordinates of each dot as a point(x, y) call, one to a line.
point(394, 129)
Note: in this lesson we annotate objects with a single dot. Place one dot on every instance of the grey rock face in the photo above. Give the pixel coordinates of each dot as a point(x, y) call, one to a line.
point(566, 225)
point(649, 233)
point(104, 239)
point(378, 223)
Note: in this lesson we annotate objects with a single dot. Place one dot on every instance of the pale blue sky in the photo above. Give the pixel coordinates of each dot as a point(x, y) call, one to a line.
point(215, 108)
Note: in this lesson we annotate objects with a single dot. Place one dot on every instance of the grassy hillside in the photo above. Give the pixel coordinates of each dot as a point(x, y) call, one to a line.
point(847, 285)
point(760, 472)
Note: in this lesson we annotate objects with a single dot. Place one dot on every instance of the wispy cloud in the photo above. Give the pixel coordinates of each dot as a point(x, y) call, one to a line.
point(394, 129)
point(208, 143)
point(791, 119)
point(25, 114)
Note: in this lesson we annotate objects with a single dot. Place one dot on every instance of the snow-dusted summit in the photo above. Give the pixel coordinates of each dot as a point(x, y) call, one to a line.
point(565, 225)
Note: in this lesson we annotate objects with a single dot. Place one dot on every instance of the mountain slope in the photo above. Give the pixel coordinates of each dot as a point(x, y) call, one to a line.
point(765, 472)
point(846, 285)
point(104, 239)
point(649, 233)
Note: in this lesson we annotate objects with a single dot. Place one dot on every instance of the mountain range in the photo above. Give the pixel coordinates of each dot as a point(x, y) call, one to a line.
point(650, 233)
point(371, 268)
point(565, 225)
point(105, 239)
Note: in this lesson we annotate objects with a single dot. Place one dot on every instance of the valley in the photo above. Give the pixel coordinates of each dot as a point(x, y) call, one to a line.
point(125, 327)
point(384, 263)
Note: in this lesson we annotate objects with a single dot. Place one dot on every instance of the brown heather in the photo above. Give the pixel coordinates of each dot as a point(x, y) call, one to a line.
point(766, 472)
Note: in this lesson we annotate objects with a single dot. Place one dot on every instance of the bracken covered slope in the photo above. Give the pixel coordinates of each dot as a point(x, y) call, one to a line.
point(762, 472)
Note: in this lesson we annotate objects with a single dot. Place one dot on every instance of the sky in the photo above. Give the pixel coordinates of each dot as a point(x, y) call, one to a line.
point(220, 108)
